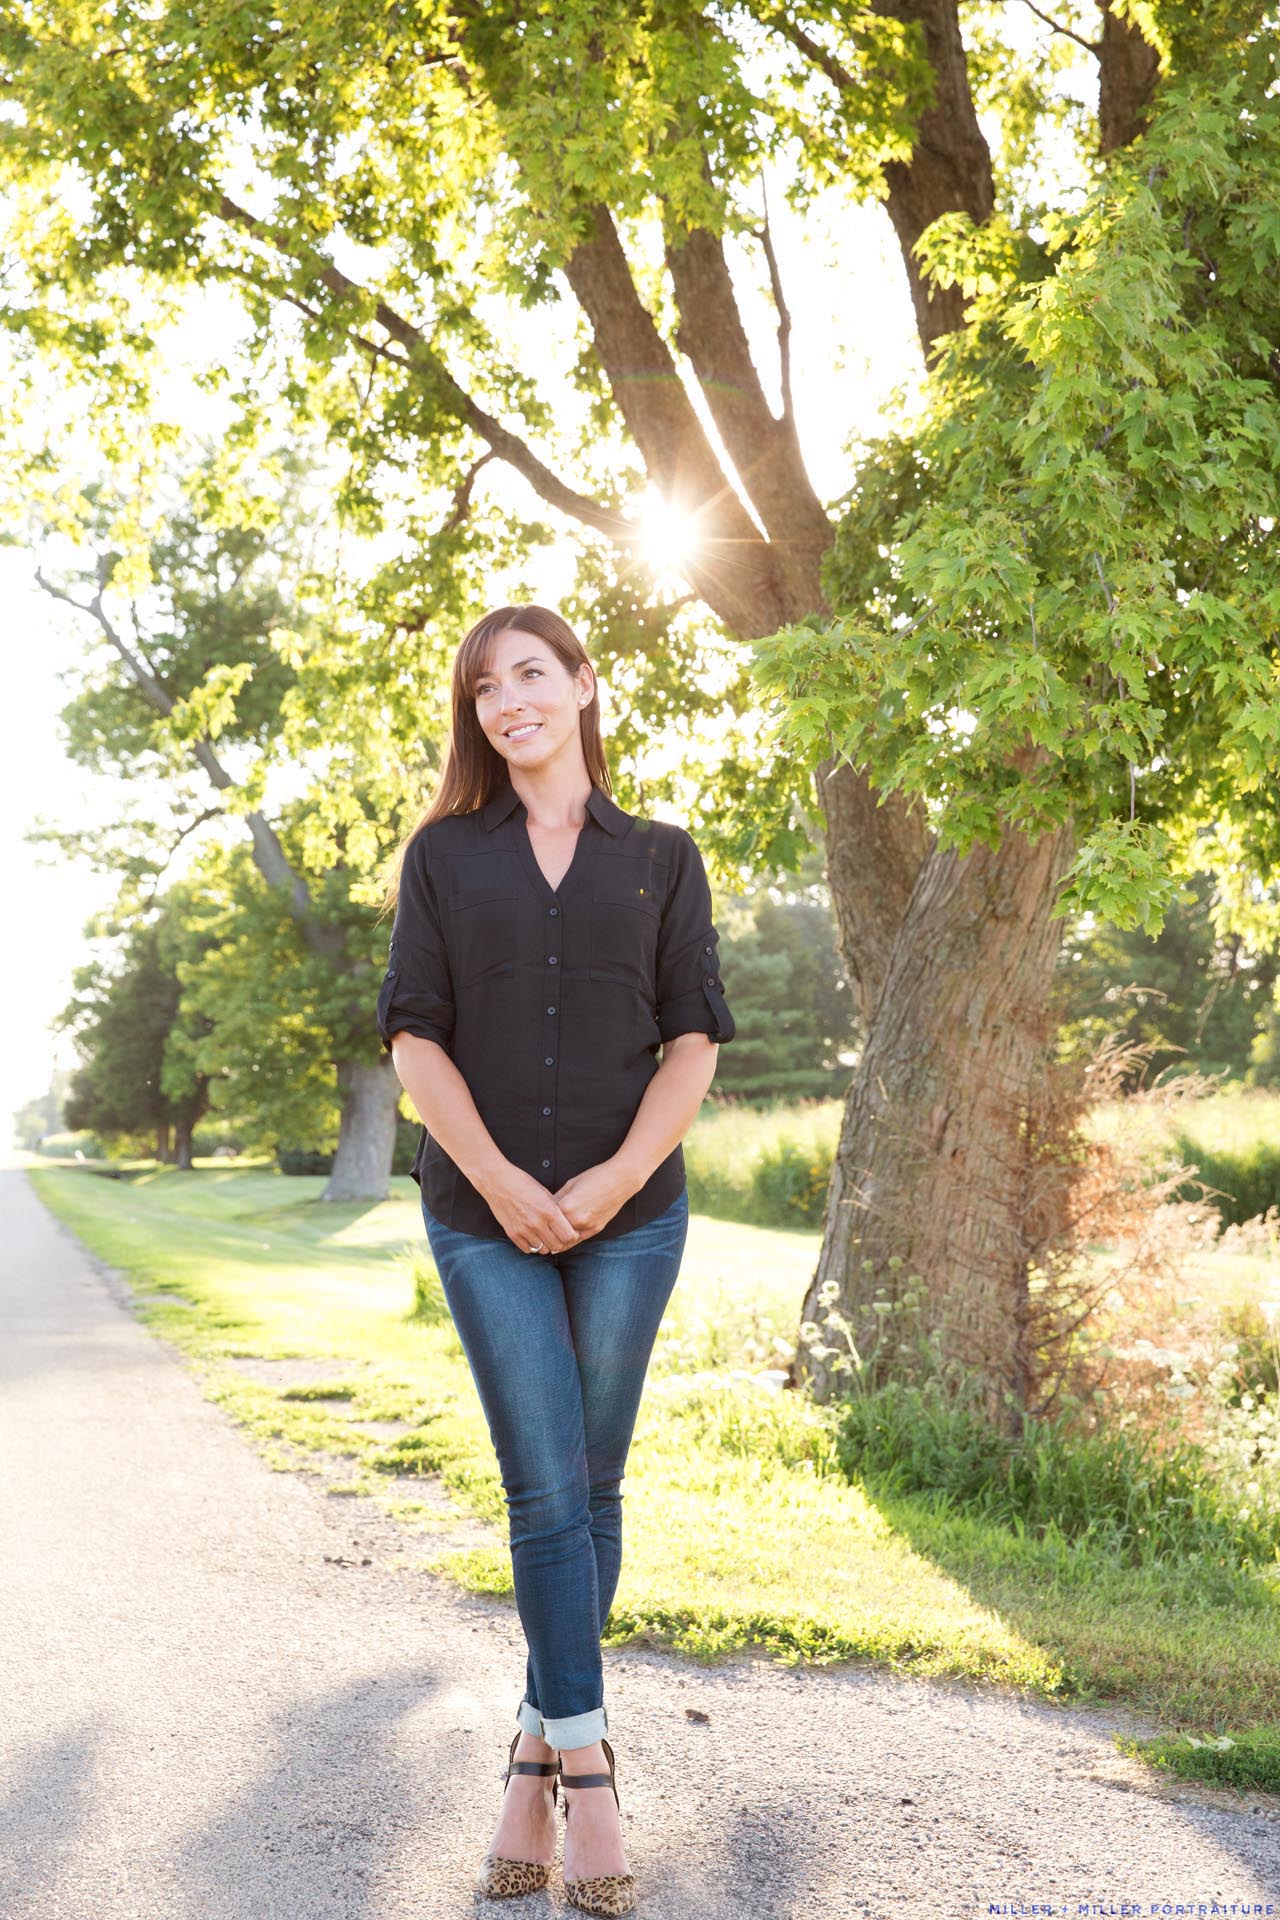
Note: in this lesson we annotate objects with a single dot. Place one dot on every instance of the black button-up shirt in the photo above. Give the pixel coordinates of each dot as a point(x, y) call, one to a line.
point(551, 1003)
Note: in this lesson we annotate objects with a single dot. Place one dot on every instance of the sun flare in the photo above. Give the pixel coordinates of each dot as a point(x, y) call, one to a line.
point(668, 537)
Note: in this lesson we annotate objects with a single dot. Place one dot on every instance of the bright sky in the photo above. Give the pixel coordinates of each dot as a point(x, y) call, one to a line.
point(853, 340)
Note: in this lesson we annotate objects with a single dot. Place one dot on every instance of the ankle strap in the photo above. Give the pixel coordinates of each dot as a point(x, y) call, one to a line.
point(585, 1779)
point(533, 1766)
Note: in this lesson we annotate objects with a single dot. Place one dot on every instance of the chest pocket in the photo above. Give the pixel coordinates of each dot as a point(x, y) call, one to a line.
point(624, 927)
point(482, 935)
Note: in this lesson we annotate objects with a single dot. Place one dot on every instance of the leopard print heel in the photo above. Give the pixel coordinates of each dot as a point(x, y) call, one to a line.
point(605, 1893)
point(500, 1877)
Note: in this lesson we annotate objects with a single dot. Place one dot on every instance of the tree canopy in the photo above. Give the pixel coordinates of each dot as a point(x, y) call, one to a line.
point(1051, 596)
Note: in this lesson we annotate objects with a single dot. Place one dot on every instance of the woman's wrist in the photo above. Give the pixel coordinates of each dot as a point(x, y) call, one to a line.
point(629, 1170)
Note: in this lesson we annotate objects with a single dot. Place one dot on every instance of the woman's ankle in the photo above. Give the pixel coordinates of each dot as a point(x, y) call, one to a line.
point(589, 1759)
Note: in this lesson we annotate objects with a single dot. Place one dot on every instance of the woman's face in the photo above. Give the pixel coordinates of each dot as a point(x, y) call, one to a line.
point(527, 702)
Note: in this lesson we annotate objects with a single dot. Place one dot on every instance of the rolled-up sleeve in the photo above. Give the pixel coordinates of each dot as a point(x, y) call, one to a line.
point(690, 990)
point(417, 989)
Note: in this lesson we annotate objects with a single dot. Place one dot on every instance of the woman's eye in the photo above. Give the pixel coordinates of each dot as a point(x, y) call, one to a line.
point(486, 688)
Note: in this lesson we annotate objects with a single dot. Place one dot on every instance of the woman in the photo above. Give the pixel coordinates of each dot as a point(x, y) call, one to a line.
point(545, 945)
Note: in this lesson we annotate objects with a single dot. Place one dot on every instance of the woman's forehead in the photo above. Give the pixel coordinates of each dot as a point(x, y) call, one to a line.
point(514, 648)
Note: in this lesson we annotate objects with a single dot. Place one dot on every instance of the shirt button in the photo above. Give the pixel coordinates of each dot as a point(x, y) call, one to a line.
point(711, 979)
point(706, 949)
point(546, 1163)
point(553, 911)
point(546, 1109)
point(550, 1009)
point(549, 1061)
point(551, 959)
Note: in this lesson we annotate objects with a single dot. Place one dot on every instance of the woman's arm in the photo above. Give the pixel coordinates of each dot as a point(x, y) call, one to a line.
point(446, 1108)
point(526, 1212)
point(669, 1107)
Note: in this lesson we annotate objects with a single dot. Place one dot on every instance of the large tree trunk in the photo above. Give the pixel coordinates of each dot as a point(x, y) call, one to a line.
point(366, 1131)
point(951, 960)
point(182, 1133)
point(931, 1164)
point(186, 1120)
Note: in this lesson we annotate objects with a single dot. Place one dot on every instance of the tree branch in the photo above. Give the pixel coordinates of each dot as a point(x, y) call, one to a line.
point(462, 495)
point(1090, 46)
point(764, 449)
point(730, 563)
point(269, 855)
point(764, 235)
point(950, 166)
point(419, 353)
point(210, 813)
point(839, 76)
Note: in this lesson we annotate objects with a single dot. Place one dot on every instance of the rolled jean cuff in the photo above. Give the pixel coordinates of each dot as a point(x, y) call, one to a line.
point(577, 1730)
point(529, 1718)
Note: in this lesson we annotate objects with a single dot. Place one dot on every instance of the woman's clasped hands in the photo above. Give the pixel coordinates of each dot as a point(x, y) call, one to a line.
point(533, 1217)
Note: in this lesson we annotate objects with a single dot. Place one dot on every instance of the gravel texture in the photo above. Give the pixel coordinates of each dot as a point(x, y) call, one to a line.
point(220, 1697)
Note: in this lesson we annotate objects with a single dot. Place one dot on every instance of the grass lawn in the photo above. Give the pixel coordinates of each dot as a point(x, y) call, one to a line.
point(741, 1528)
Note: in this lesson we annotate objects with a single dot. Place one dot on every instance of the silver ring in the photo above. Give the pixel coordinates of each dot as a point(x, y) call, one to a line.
point(537, 1249)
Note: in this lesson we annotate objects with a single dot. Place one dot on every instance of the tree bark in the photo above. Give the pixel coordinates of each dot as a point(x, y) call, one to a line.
point(931, 1164)
point(186, 1120)
point(1128, 69)
point(182, 1133)
point(950, 167)
point(370, 1094)
point(730, 565)
point(763, 446)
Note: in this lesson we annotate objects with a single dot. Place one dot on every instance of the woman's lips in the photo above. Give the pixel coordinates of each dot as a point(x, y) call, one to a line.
point(518, 734)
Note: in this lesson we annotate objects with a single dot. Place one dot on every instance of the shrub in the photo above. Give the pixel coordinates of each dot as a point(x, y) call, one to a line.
point(1110, 1488)
point(1243, 1179)
point(301, 1160)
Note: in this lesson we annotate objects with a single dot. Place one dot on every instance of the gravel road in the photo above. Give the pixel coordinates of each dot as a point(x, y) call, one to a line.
point(209, 1706)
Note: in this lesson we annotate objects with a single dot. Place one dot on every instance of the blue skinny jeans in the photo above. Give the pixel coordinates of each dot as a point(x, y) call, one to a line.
point(558, 1346)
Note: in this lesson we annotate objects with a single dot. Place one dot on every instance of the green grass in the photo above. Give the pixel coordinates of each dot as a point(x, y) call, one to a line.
point(749, 1521)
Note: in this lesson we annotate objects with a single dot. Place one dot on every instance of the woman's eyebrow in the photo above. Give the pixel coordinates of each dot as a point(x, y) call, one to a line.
point(528, 659)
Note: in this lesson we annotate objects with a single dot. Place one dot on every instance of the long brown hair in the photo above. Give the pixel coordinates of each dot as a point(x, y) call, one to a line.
point(473, 768)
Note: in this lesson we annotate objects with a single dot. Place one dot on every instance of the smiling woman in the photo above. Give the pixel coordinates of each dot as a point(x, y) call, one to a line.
point(546, 946)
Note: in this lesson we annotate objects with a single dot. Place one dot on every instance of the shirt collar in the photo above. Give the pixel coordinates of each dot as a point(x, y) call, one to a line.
point(599, 806)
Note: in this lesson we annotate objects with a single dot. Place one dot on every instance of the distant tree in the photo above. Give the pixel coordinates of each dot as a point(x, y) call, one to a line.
point(797, 1023)
point(200, 629)
point(136, 1081)
point(277, 1020)
point(1198, 997)
point(1264, 1051)
point(43, 1115)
